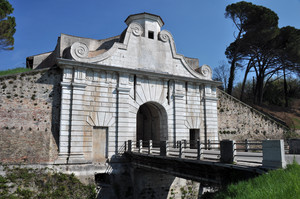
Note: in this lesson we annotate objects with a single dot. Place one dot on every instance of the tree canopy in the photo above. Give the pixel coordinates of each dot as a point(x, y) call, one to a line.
point(7, 26)
point(249, 20)
point(261, 46)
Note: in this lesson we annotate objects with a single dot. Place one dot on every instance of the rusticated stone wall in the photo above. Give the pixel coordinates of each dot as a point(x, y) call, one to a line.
point(29, 116)
point(239, 121)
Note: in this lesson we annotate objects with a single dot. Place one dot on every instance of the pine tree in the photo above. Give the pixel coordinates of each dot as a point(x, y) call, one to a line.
point(7, 26)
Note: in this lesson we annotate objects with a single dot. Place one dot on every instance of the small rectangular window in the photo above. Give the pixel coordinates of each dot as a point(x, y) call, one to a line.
point(150, 34)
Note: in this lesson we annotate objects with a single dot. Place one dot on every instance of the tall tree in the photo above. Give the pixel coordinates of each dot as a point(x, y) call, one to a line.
point(288, 53)
point(247, 18)
point(7, 26)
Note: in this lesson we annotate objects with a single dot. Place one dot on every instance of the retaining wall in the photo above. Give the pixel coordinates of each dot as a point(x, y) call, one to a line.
point(29, 116)
point(239, 121)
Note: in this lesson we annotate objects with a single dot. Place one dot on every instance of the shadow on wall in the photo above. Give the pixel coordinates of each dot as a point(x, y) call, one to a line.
point(53, 77)
point(122, 180)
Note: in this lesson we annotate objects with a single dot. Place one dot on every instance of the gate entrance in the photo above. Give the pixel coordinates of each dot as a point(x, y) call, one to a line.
point(152, 123)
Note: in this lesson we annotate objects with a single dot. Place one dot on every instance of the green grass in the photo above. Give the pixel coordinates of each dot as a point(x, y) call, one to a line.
point(281, 183)
point(296, 122)
point(14, 71)
point(42, 183)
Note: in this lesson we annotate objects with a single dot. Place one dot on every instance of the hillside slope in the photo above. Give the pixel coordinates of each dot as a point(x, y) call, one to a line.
point(290, 115)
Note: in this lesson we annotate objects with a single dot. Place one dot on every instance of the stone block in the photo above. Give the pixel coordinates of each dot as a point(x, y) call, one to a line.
point(273, 154)
point(294, 146)
point(228, 151)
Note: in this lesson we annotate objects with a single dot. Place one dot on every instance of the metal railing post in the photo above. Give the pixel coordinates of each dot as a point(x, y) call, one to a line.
point(129, 146)
point(140, 146)
point(150, 147)
point(180, 148)
point(209, 144)
point(184, 143)
point(199, 150)
point(246, 145)
point(164, 148)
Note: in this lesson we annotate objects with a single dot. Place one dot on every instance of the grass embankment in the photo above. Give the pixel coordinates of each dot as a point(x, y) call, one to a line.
point(281, 183)
point(14, 71)
point(42, 183)
point(296, 122)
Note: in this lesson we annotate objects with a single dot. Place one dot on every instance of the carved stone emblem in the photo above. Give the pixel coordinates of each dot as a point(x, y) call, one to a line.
point(79, 50)
point(137, 29)
point(206, 70)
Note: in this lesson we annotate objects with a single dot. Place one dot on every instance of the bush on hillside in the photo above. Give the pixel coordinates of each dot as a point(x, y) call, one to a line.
point(42, 183)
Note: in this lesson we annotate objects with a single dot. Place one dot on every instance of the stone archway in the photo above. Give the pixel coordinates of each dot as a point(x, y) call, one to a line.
point(152, 123)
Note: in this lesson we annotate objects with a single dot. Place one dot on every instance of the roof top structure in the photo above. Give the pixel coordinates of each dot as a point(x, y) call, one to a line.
point(148, 47)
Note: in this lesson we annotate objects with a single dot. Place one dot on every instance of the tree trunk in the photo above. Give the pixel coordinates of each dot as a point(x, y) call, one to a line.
point(231, 77)
point(233, 65)
point(245, 78)
point(285, 89)
point(253, 90)
point(259, 89)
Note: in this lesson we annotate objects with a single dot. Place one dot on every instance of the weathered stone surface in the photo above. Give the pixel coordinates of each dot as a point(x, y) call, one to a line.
point(273, 154)
point(29, 116)
point(238, 121)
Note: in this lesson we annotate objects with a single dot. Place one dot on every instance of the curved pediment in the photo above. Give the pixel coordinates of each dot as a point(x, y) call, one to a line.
point(142, 46)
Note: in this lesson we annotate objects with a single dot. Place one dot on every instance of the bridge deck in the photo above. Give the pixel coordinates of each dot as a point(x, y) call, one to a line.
point(207, 170)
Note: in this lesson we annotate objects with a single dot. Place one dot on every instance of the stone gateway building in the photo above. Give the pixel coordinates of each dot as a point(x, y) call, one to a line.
point(134, 86)
point(75, 111)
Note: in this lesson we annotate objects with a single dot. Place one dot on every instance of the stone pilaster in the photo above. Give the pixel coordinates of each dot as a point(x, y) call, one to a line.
point(180, 112)
point(71, 143)
point(210, 113)
point(66, 89)
point(76, 135)
point(123, 133)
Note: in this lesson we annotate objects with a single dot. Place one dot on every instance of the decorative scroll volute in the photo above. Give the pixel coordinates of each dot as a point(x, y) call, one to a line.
point(164, 36)
point(206, 71)
point(79, 50)
point(136, 29)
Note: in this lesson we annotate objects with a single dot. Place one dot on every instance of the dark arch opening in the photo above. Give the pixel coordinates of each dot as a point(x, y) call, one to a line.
point(152, 123)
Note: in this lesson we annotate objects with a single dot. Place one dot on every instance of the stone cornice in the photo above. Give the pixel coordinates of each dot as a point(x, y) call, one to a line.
point(123, 89)
point(66, 63)
point(211, 98)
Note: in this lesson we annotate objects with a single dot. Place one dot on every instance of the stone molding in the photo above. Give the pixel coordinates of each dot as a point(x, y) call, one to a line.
point(123, 90)
point(65, 63)
point(103, 119)
point(79, 51)
point(211, 98)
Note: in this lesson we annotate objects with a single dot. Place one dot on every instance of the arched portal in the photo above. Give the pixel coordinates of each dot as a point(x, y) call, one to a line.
point(152, 123)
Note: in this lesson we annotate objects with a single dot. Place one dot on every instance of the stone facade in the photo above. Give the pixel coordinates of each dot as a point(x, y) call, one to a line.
point(29, 117)
point(238, 121)
point(100, 93)
point(131, 87)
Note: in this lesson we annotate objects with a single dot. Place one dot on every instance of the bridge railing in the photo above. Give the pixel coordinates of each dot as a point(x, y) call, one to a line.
point(249, 145)
point(267, 152)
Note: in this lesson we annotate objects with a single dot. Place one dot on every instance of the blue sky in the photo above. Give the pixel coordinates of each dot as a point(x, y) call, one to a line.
point(199, 27)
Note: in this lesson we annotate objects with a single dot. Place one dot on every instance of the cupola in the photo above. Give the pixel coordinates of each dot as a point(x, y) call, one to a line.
point(151, 23)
